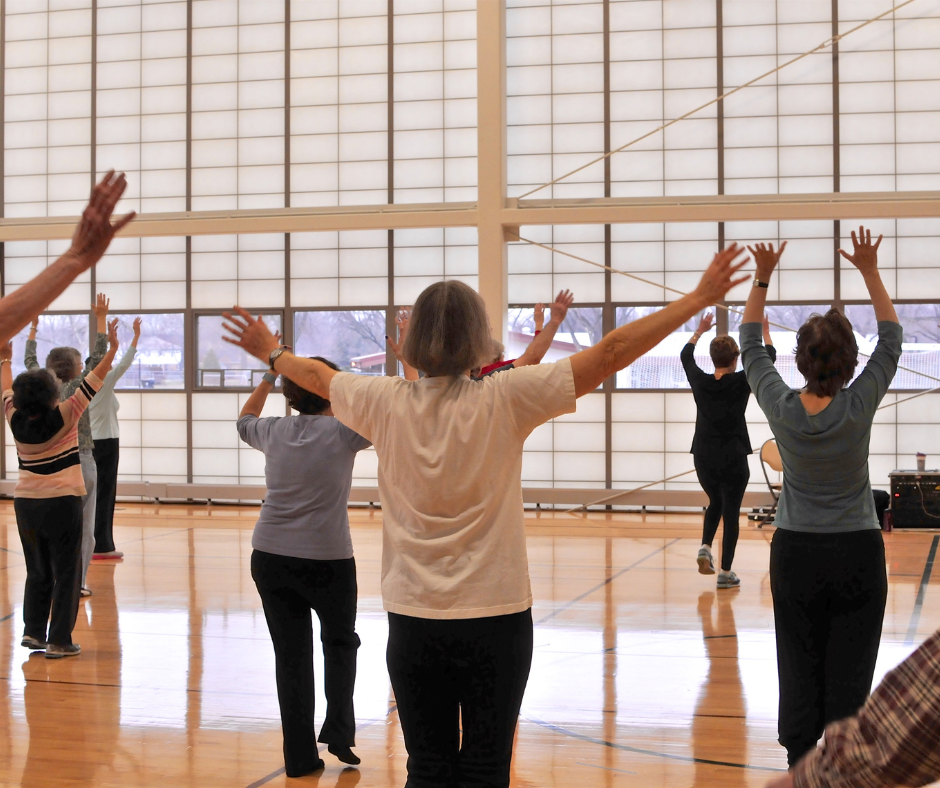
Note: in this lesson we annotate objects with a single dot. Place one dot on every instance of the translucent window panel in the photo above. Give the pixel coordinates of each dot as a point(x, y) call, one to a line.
point(638, 433)
point(221, 364)
point(153, 436)
point(568, 451)
point(243, 269)
point(555, 97)
point(24, 260)
point(581, 329)
point(141, 101)
point(537, 274)
point(889, 76)
point(159, 360)
point(435, 134)
point(353, 340)
point(921, 346)
point(425, 256)
point(238, 104)
point(144, 273)
point(662, 65)
point(47, 108)
point(54, 331)
point(805, 271)
point(778, 132)
point(672, 254)
point(792, 316)
point(345, 269)
point(339, 103)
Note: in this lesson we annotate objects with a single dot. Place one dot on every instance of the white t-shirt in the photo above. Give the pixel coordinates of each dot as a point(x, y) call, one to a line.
point(450, 479)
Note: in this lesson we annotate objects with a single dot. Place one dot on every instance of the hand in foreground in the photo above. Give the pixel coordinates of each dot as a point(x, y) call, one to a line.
point(559, 308)
point(250, 334)
point(100, 307)
point(781, 782)
point(137, 323)
point(766, 259)
point(113, 342)
point(719, 277)
point(865, 258)
point(705, 324)
point(539, 316)
point(95, 231)
point(6, 352)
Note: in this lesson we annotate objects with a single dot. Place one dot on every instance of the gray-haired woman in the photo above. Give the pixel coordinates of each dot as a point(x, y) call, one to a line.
point(455, 578)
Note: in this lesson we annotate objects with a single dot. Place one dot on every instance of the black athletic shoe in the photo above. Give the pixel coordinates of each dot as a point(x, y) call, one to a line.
point(344, 754)
point(314, 767)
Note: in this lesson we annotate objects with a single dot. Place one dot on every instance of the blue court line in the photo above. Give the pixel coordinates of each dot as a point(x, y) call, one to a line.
point(610, 579)
point(654, 753)
point(921, 592)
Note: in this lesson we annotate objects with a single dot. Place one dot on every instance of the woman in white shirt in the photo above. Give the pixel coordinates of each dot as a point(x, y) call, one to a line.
point(455, 579)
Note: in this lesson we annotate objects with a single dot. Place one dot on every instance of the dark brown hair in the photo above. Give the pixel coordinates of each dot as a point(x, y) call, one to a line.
point(449, 332)
point(303, 401)
point(724, 351)
point(61, 361)
point(35, 392)
point(826, 353)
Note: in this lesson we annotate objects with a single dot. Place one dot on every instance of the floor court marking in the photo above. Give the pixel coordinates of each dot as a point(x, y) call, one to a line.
point(921, 592)
point(610, 579)
point(278, 772)
point(640, 751)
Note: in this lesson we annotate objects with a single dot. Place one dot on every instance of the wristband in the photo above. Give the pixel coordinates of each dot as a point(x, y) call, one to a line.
point(270, 378)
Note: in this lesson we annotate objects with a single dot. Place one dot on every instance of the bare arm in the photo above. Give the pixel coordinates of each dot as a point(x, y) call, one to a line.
point(6, 367)
point(865, 259)
point(539, 346)
point(624, 345)
point(255, 403)
point(768, 339)
point(104, 366)
point(404, 315)
point(253, 336)
point(766, 259)
point(89, 243)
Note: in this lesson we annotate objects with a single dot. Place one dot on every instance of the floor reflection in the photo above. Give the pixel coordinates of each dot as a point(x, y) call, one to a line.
point(719, 732)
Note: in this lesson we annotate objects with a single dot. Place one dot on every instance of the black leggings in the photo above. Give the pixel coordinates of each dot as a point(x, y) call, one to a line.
point(107, 455)
point(829, 593)
point(724, 482)
point(459, 674)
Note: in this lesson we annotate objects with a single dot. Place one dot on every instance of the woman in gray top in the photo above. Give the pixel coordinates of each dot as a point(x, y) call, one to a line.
point(827, 561)
point(303, 560)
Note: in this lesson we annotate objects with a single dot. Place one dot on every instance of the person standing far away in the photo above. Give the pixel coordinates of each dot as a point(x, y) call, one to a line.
point(721, 445)
point(106, 432)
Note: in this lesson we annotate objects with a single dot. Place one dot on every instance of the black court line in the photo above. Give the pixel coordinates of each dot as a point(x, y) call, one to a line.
point(278, 772)
point(7, 618)
point(654, 753)
point(598, 587)
point(921, 592)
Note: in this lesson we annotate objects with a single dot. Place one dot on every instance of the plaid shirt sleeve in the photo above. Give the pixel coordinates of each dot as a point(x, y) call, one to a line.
point(894, 740)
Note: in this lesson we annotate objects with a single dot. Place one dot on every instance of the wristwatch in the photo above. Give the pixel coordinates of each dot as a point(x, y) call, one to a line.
point(276, 354)
point(759, 283)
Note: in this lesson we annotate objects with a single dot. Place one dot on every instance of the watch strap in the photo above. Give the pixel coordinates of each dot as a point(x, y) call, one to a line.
point(759, 283)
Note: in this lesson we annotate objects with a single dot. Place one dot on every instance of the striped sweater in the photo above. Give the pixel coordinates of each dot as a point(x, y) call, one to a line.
point(47, 447)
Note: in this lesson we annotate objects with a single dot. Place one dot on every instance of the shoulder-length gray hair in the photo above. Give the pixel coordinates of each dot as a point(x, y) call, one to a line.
point(449, 332)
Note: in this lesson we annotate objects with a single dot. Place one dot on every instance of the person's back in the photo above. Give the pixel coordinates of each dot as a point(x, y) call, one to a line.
point(308, 471)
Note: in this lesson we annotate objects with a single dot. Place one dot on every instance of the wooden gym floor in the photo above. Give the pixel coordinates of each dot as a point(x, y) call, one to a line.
point(644, 674)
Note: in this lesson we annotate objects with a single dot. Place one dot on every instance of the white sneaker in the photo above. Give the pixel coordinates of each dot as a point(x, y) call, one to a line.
point(728, 580)
point(706, 564)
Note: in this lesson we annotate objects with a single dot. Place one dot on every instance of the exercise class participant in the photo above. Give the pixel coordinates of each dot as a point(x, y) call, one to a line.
point(827, 557)
point(106, 433)
point(48, 496)
point(721, 445)
point(66, 364)
point(455, 578)
point(303, 559)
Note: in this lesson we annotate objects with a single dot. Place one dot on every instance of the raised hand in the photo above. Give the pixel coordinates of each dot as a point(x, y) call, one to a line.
point(101, 305)
point(6, 352)
point(113, 342)
point(137, 324)
point(865, 256)
point(539, 316)
point(766, 259)
point(404, 316)
point(35, 324)
point(705, 324)
point(250, 334)
point(559, 308)
point(719, 277)
point(95, 231)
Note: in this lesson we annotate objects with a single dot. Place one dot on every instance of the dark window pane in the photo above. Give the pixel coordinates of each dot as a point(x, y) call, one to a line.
point(354, 340)
point(53, 331)
point(159, 360)
point(223, 364)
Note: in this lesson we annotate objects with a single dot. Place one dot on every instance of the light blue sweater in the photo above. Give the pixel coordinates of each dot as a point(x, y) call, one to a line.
point(104, 407)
